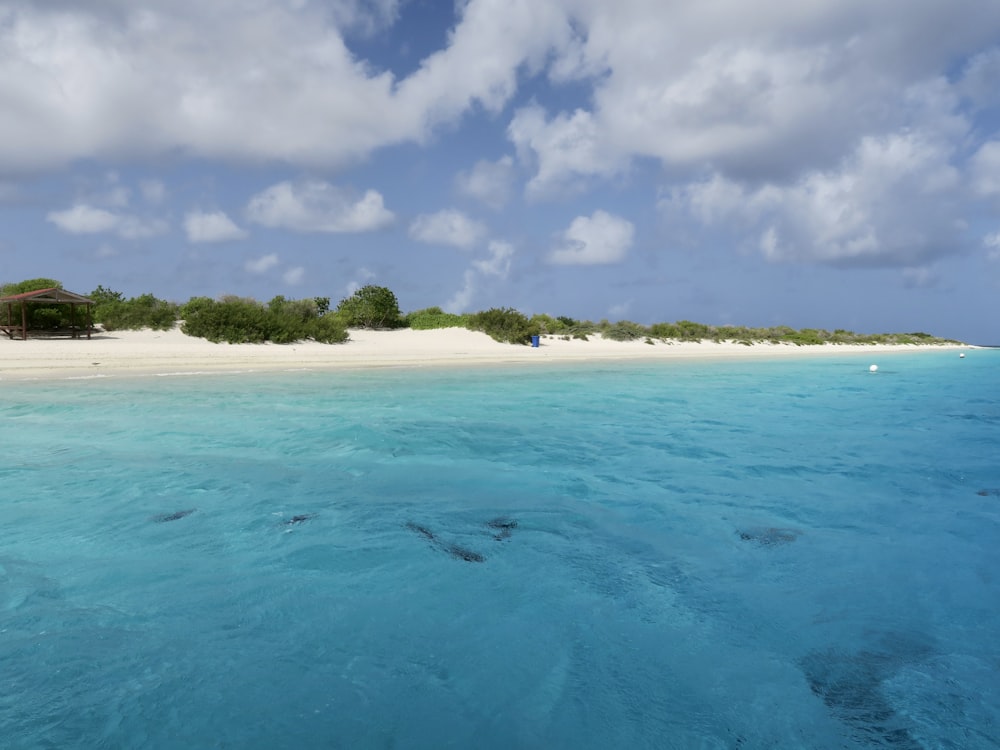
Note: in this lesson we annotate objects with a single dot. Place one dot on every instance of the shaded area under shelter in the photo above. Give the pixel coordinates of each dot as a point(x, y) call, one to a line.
point(17, 326)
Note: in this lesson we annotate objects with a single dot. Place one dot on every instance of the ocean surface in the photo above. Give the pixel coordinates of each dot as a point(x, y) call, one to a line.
point(693, 555)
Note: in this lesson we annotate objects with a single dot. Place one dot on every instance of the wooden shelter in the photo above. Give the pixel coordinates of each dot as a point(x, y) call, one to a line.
point(45, 296)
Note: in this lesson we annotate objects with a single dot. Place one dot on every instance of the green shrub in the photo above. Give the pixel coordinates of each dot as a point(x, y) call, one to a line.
point(238, 320)
point(506, 325)
point(624, 330)
point(547, 324)
point(235, 320)
point(327, 329)
point(144, 311)
point(371, 307)
point(433, 317)
point(45, 317)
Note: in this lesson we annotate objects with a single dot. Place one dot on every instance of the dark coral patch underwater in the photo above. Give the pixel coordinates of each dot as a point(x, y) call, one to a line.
point(175, 516)
point(769, 536)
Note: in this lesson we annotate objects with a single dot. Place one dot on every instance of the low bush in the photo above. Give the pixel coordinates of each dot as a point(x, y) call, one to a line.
point(433, 317)
point(506, 325)
point(624, 330)
point(144, 311)
point(239, 320)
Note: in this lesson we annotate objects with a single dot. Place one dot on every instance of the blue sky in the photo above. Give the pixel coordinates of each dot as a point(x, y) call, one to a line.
point(829, 164)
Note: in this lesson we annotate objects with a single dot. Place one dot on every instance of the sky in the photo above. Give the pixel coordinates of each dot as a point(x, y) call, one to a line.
point(821, 164)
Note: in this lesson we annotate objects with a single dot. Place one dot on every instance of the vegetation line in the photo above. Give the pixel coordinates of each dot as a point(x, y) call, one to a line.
point(239, 320)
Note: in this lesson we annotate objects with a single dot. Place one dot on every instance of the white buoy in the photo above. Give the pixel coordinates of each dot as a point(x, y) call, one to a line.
point(961, 355)
point(873, 368)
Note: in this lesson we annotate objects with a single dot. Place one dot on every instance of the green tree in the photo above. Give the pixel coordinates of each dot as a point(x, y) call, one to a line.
point(40, 315)
point(370, 307)
point(29, 285)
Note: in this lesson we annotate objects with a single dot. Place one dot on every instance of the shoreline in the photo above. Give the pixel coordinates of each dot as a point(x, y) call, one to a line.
point(161, 353)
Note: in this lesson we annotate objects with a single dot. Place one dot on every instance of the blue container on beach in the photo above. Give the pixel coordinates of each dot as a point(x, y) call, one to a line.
point(534, 341)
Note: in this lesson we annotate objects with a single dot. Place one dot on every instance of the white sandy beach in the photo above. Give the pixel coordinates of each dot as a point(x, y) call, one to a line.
point(122, 353)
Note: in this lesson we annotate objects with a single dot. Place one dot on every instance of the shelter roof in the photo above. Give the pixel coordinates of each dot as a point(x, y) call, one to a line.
point(52, 294)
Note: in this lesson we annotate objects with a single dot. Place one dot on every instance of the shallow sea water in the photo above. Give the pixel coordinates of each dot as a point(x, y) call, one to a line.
point(692, 555)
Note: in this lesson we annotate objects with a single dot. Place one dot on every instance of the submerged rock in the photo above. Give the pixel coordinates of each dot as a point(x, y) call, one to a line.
point(769, 536)
point(422, 530)
point(503, 527)
point(463, 553)
point(455, 550)
point(175, 516)
point(851, 686)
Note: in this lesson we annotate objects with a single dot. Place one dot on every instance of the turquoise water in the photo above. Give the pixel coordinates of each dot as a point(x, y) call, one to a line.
point(726, 555)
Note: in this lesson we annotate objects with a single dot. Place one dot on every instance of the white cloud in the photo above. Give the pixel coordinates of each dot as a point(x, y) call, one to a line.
point(138, 228)
point(564, 149)
point(214, 226)
point(490, 182)
point(985, 168)
point(992, 241)
point(262, 264)
point(294, 276)
point(461, 301)
point(449, 227)
point(892, 201)
point(361, 277)
point(154, 192)
point(83, 219)
point(498, 263)
point(979, 79)
point(598, 239)
point(86, 219)
point(315, 206)
point(244, 81)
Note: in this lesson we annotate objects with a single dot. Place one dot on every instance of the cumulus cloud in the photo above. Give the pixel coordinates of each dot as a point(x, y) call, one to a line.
point(214, 226)
point(85, 219)
point(992, 242)
point(316, 206)
point(361, 277)
point(496, 264)
point(891, 202)
point(263, 264)
point(490, 182)
point(592, 240)
point(245, 81)
point(979, 78)
point(461, 300)
point(294, 276)
point(154, 192)
point(563, 149)
point(449, 227)
point(759, 93)
point(985, 166)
